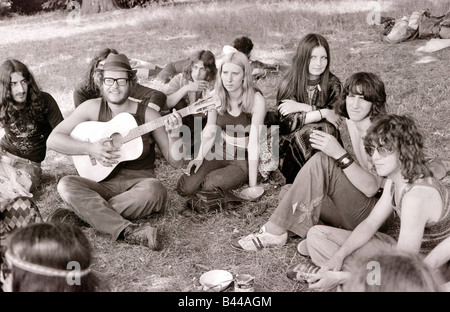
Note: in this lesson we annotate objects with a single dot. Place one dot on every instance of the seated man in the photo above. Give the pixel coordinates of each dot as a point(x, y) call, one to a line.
point(27, 116)
point(131, 191)
point(87, 89)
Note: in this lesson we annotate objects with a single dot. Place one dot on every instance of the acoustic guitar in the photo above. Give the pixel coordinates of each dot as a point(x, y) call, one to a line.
point(124, 133)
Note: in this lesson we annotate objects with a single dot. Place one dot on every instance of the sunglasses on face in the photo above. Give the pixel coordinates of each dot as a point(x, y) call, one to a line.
point(110, 81)
point(382, 151)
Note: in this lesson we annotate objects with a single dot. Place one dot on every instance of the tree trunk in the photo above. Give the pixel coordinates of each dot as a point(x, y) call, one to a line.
point(97, 6)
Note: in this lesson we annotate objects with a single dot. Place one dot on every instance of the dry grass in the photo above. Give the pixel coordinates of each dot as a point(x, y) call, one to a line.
point(58, 53)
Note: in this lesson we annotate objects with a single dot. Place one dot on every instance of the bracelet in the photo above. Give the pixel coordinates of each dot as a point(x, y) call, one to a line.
point(345, 161)
point(321, 117)
point(342, 157)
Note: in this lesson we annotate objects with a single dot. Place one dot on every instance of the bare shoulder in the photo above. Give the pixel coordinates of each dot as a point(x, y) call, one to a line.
point(425, 200)
point(259, 103)
point(151, 114)
point(88, 110)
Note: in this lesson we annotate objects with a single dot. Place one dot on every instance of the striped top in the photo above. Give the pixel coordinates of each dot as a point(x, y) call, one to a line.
point(434, 232)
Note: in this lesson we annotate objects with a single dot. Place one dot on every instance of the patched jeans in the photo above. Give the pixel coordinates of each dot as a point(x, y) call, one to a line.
point(321, 191)
point(324, 241)
point(108, 206)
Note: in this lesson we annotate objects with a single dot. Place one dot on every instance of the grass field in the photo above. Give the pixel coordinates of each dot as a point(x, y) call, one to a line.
point(58, 52)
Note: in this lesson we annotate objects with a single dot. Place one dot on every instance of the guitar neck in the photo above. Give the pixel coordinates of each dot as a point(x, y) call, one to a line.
point(152, 125)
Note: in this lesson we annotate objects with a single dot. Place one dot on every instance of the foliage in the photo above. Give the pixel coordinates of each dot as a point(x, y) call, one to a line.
point(5, 7)
point(27, 7)
point(57, 4)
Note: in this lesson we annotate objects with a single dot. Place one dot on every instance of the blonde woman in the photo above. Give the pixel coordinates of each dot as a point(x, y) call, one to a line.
point(235, 158)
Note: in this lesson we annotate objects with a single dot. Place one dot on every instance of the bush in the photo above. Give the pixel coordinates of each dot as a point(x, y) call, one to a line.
point(5, 7)
point(27, 6)
point(52, 5)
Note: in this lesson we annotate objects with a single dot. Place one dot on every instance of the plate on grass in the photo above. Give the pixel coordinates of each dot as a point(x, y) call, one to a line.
point(252, 193)
point(216, 280)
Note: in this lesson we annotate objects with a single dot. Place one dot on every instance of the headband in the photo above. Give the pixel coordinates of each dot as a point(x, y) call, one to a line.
point(42, 270)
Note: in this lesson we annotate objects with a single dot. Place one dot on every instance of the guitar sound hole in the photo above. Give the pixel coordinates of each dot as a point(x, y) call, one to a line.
point(117, 140)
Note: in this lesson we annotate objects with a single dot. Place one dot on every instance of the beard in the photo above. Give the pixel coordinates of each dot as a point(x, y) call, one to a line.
point(117, 99)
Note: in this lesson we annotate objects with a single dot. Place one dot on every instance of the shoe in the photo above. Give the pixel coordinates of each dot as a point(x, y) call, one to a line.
point(154, 72)
point(66, 216)
point(260, 240)
point(302, 271)
point(302, 248)
point(143, 234)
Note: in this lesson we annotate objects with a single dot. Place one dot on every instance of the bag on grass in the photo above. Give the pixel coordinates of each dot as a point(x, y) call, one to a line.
point(444, 31)
point(218, 200)
point(429, 25)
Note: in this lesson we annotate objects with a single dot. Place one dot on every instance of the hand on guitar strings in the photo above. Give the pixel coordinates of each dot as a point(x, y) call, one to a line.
point(173, 122)
point(105, 152)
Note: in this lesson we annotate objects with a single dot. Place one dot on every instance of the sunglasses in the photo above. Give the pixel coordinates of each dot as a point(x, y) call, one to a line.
point(382, 151)
point(6, 270)
point(110, 81)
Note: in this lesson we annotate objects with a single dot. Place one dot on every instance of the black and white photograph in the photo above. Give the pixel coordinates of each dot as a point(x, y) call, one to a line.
point(218, 153)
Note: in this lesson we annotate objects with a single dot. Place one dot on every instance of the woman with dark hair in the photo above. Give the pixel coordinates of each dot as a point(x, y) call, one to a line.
point(234, 159)
point(336, 185)
point(48, 257)
point(87, 88)
point(420, 202)
point(27, 116)
point(306, 94)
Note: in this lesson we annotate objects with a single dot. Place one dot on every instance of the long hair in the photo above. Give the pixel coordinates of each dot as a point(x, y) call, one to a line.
point(209, 61)
point(248, 89)
point(34, 109)
point(400, 134)
point(89, 82)
point(392, 271)
point(53, 246)
point(370, 86)
point(295, 82)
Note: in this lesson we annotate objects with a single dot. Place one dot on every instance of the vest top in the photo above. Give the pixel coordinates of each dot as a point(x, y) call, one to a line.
point(147, 158)
point(434, 232)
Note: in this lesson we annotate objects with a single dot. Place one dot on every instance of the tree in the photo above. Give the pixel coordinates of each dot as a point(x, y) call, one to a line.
point(97, 6)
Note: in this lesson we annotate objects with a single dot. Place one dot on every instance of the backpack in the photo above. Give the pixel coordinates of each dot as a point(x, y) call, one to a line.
point(206, 201)
point(444, 31)
point(429, 25)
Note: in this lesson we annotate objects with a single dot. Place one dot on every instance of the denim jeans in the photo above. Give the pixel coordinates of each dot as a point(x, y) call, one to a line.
point(324, 241)
point(212, 174)
point(108, 206)
point(322, 191)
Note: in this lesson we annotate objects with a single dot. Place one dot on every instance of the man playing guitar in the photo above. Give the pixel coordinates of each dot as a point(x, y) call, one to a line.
point(131, 191)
